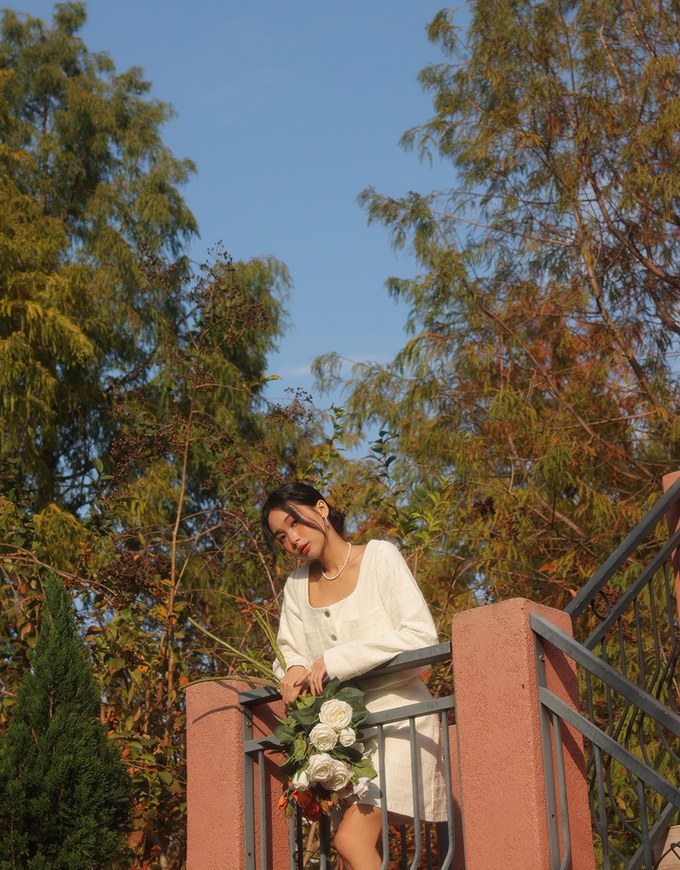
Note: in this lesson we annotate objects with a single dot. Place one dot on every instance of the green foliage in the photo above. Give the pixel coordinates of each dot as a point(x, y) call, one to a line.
point(529, 417)
point(170, 532)
point(64, 792)
point(85, 180)
point(136, 442)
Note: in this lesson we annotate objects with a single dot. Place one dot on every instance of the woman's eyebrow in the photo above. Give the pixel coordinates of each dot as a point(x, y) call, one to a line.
point(282, 529)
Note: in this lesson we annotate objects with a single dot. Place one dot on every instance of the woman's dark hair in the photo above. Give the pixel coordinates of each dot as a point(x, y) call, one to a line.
point(289, 495)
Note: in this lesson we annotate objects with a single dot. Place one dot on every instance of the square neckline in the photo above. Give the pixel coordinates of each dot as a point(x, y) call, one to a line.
point(345, 597)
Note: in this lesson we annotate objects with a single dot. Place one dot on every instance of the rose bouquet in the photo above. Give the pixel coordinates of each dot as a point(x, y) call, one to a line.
point(325, 763)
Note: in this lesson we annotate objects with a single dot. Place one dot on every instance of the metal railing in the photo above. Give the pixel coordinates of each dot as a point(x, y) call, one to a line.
point(626, 649)
point(416, 846)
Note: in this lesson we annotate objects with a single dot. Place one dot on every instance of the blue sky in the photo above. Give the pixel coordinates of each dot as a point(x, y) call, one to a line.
point(290, 109)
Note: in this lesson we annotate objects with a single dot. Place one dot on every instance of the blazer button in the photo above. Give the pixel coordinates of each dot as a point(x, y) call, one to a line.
point(333, 637)
point(327, 613)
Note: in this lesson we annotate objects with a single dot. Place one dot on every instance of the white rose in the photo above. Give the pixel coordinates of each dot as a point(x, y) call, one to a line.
point(360, 788)
point(341, 776)
point(347, 737)
point(300, 779)
point(323, 737)
point(320, 768)
point(337, 714)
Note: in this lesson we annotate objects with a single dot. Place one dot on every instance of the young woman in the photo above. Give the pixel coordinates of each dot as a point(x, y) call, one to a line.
point(347, 609)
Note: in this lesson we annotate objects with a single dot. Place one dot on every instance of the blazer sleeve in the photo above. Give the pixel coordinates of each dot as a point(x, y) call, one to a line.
point(291, 635)
point(408, 622)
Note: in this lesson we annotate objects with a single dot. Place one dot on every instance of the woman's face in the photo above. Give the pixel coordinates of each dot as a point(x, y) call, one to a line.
point(304, 542)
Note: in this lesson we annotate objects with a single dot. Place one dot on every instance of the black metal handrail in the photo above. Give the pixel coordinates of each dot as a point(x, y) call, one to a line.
point(605, 748)
point(599, 580)
point(627, 661)
point(609, 675)
point(428, 655)
point(627, 599)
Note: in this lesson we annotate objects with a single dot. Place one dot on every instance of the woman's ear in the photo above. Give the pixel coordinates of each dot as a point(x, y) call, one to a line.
point(322, 508)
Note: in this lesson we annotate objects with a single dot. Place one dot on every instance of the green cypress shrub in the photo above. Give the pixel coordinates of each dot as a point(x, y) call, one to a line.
point(64, 791)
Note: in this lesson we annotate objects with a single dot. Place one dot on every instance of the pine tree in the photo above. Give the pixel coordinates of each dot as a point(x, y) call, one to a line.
point(64, 791)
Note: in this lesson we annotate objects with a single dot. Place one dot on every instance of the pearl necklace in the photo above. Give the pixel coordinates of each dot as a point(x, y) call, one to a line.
point(343, 566)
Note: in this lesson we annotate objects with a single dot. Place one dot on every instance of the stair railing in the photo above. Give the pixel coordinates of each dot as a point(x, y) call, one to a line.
point(626, 650)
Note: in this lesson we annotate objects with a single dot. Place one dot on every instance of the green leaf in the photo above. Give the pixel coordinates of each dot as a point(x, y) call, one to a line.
point(116, 664)
point(306, 717)
point(300, 747)
point(364, 767)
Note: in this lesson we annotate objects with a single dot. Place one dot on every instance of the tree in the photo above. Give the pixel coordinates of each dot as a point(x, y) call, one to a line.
point(86, 180)
point(534, 406)
point(136, 441)
point(171, 531)
point(64, 790)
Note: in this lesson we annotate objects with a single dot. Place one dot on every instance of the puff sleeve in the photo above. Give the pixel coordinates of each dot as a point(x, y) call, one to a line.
point(291, 636)
point(406, 621)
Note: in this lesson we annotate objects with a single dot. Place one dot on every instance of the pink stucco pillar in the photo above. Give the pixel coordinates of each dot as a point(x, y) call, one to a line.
point(673, 522)
point(215, 786)
point(499, 740)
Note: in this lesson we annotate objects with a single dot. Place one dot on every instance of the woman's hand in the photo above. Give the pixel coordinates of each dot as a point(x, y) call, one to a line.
point(294, 681)
point(317, 675)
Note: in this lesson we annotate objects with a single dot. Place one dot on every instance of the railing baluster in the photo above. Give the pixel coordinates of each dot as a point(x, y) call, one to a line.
point(622, 647)
point(655, 638)
point(618, 557)
point(601, 807)
point(404, 847)
point(657, 832)
point(324, 843)
point(383, 785)
point(297, 858)
point(644, 828)
point(261, 781)
point(671, 608)
point(446, 859)
point(562, 783)
point(416, 793)
point(642, 681)
point(248, 793)
point(546, 746)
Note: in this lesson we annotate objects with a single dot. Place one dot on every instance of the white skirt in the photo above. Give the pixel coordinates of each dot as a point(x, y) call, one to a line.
point(398, 785)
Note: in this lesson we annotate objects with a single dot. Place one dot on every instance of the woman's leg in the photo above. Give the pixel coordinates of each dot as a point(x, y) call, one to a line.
point(356, 838)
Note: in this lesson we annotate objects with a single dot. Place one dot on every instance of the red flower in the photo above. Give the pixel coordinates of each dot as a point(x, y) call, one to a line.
point(313, 811)
point(303, 797)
